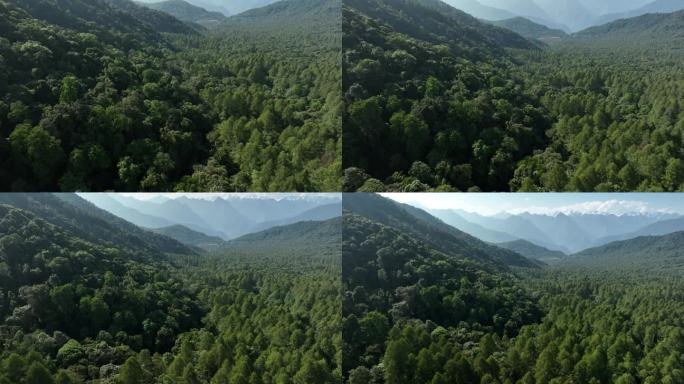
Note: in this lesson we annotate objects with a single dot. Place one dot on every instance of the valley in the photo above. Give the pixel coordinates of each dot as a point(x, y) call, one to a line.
point(88, 297)
point(110, 95)
point(438, 100)
point(419, 311)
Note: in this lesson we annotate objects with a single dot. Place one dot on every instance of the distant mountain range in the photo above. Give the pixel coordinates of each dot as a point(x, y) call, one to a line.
point(226, 7)
point(567, 233)
point(658, 6)
point(566, 15)
point(226, 218)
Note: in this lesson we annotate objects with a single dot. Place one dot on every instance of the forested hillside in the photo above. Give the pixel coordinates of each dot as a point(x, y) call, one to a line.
point(429, 108)
point(416, 314)
point(596, 112)
point(74, 310)
point(189, 13)
point(110, 95)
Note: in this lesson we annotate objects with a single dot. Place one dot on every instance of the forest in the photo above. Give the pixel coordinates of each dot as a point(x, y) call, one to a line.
point(108, 95)
point(439, 101)
point(79, 306)
point(413, 313)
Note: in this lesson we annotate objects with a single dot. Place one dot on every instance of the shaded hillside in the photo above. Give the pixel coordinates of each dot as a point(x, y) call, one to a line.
point(531, 30)
point(430, 230)
point(399, 288)
point(190, 238)
point(660, 253)
point(659, 29)
point(533, 251)
point(86, 221)
point(313, 240)
point(420, 114)
point(184, 11)
point(657, 6)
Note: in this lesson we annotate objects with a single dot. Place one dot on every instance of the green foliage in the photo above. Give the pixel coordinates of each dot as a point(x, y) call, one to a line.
point(412, 314)
point(595, 112)
point(112, 308)
point(101, 101)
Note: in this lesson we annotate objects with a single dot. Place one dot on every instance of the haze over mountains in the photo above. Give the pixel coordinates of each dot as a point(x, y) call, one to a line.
point(568, 233)
point(568, 15)
point(226, 7)
point(223, 218)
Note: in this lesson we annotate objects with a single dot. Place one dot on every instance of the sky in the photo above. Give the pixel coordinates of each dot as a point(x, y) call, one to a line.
point(213, 196)
point(490, 204)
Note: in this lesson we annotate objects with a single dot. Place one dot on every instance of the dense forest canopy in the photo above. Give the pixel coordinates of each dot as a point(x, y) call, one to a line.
point(259, 309)
point(436, 100)
point(110, 95)
point(415, 314)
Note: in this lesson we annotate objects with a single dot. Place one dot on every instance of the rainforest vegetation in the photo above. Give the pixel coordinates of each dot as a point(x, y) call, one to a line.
point(76, 307)
point(108, 95)
point(436, 100)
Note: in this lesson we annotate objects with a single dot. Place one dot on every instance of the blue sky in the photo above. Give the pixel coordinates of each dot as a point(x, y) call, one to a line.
point(547, 203)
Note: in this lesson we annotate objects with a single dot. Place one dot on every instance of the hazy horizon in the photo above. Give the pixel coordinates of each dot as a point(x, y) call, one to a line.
point(491, 204)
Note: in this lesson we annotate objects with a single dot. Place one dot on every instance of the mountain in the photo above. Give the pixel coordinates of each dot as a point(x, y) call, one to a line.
point(648, 30)
point(307, 241)
point(477, 9)
point(457, 221)
point(84, 220)
point(533, 251)
point(234, 7)
point(190, 238)
point(659, 228)
point(658, 6)
point(110, 204)
point(436, 22)
point(605, 7)
point(527, 8)
point(187, 12)
point(320, 213)
point(313, 13)
point(664, 253)
point(431, 231)
point(568, 12)
point(531, 30)
point(104, 16)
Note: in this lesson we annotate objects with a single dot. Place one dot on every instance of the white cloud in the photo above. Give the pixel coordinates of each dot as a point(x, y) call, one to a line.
point(614, 207)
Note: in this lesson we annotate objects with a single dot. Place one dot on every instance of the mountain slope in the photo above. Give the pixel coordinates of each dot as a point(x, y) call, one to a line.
point(431, 231)
point(110, 204)
point(479, 10)
point(187, 12)
point(438, 23)
point(530, 29)
point(86, 221)
point(657, 6)
point(321, 213)
point(533, 251)
point(189, 237)
point(648, 30)
point(659, 228)
point(318, 241)
point(664, 253)
point(457, 221)
point(105, 17)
